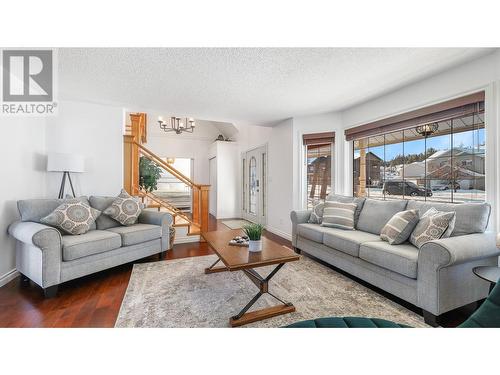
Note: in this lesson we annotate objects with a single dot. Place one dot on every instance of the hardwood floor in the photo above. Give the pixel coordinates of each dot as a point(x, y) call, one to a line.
point(94, 300)
point(91, 301)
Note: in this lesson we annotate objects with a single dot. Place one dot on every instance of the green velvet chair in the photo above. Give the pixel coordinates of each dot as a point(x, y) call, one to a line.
point(487, 316)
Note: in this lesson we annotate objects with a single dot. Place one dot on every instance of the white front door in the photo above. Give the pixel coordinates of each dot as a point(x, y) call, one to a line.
point(254, 165)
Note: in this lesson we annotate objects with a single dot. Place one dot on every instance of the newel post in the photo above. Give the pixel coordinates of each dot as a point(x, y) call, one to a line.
point(196, 205)
point(130, 163)
point(204, 212)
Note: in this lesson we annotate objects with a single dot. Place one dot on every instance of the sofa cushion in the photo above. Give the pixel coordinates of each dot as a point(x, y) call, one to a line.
point(90, 243)
point(376, 213)
point(399, 228)
point(402, 258)
point(339, 215)
point(73, 217)
point(101, 203)
point(347, 199)
point(313, 232)
point(317, 213)
point(347, 241)
point(137, 233)
point(35, 209)
point(470, 217)
point(432, 225)
point(125, 209)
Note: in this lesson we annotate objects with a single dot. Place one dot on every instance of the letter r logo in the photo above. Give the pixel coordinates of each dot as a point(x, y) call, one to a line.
point(27, 76)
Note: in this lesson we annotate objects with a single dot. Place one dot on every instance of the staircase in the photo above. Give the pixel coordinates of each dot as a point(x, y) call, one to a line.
point(135, 137)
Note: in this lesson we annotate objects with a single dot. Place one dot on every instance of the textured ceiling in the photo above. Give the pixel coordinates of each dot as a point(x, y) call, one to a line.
point(247, 86)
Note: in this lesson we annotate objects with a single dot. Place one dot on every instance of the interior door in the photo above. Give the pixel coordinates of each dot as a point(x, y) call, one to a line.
point(254, 165)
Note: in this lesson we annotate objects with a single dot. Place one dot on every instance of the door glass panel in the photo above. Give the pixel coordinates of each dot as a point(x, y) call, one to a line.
point(244, 197)
point(252, 185)
point(263, 183)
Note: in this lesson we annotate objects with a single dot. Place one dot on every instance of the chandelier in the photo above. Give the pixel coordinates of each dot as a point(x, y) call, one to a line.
point(177, 125)
point(427, 129)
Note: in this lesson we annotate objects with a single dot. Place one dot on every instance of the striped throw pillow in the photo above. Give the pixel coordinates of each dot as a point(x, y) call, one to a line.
point(398, 229)
point(339, 215)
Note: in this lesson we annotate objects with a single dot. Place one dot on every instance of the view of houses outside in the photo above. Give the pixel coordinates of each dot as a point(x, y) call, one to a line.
point(447, 165)
point(319, 177)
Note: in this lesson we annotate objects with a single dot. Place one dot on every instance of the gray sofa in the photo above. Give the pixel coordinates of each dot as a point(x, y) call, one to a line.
point(437, 278)
point(49, 257)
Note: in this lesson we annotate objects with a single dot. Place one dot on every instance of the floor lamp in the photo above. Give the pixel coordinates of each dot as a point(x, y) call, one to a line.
point(65, 163)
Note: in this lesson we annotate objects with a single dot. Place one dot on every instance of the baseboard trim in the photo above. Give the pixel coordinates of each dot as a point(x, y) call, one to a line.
point(186, 239)
point(280, 233)
point(11, 275)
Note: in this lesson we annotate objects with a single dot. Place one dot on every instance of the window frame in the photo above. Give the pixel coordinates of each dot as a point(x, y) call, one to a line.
point(451, 160)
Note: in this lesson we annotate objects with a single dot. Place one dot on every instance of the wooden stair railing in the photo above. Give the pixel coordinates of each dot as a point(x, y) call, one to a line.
point(133, 150)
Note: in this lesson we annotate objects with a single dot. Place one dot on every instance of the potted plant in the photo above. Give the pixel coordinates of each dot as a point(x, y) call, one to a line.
point(254, 233)
point(149, 174)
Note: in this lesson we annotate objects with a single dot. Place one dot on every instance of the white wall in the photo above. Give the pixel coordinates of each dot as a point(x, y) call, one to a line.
point(195, 145)
point(95, 131)
point(22, 151)
point(480, 74)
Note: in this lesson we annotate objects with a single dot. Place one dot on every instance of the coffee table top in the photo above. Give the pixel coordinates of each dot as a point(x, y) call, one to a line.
point(488, 273)
point(238, 257)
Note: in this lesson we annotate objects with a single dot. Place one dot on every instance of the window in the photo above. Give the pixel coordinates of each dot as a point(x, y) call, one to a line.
point(438, 161)
point(318, 167)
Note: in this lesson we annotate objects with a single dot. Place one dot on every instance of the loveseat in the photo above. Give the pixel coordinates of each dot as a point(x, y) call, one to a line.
point(49, 257)
point(437, 277)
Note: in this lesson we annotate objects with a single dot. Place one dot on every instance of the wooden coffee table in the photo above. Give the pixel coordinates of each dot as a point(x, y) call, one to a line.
point(238, 258)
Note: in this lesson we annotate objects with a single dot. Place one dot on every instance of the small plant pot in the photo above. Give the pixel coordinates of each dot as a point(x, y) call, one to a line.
point(255, 246)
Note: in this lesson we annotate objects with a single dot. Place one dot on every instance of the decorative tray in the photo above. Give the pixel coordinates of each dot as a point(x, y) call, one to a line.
point(239, 241)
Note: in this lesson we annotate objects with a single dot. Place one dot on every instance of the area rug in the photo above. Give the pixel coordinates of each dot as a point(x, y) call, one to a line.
point(235, 223)
point(178, 293)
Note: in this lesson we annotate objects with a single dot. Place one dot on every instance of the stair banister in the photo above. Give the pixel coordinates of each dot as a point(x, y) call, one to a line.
point(133, 149)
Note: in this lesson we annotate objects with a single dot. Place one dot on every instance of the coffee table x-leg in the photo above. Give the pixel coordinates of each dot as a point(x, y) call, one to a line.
point(263, 284)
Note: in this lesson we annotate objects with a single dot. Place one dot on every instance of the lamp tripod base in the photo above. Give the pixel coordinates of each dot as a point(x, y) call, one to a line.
point(63, 185)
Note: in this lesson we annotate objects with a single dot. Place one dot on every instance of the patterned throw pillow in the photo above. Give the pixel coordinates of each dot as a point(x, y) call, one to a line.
point(317, 213)
point(74, 216)
point(339, 215)
point(399, 227)
point(124, 209)
point(432, 225)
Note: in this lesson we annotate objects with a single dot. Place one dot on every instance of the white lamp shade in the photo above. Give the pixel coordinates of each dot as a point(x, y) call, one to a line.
point(65, 163)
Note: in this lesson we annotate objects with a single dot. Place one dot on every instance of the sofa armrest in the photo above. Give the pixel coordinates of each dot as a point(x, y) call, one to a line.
point(460, 249)
point(35, 234)
point(163, 219)
point(156, 218)
point(300, 217)
point(445, 279)
point(39, 252)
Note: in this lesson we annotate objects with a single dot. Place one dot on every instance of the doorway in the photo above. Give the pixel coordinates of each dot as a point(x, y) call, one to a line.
point(254, 185)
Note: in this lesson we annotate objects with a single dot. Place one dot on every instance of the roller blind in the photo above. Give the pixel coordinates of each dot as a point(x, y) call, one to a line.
point(318, 138)
point(438, 112)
